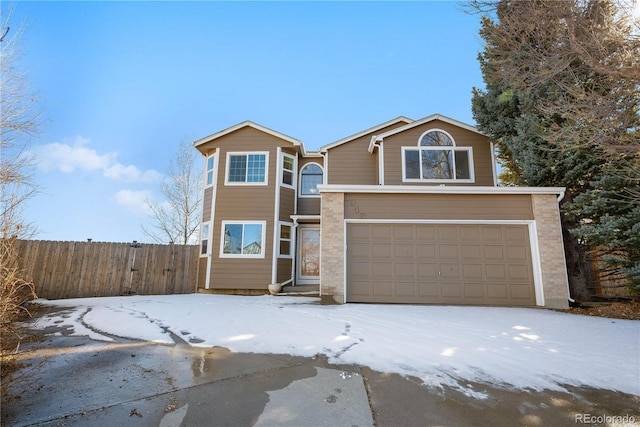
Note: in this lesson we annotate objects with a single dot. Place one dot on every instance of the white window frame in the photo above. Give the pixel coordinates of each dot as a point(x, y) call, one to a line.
point(243, 223)
point(300, 193)
point(211, 158)
point(453, 148)
point(290, 239)
point(247, 153)
point(206, 238)
point(293, 171)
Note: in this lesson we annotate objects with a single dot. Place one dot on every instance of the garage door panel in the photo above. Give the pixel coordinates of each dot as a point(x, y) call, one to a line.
point(383, 269)
point(406, 289)
point(472, 272)
point(519, 273)
point(520, 291)
point(426, 232)
point(381, 250)
point(426, 252)
point(404, 270)
point(403, 250)
point(488, 264)
point(474, 290)
point(451, 290)
point(359, 251)
point(428, 271)
point(447, 251)
point(472, 252)
point(429, 290)
point(382, 289)
point(360, 269)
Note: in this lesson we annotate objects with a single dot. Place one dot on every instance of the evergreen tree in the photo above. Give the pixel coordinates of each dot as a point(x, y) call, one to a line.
point(562, 105)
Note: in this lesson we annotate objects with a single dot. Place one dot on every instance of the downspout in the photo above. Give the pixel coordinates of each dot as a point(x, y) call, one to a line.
point(294, 250)
point(559, 198)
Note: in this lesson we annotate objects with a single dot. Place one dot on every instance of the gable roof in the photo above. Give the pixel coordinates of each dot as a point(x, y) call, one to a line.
point(399, 119)
point(249, 123)
point(378, 138)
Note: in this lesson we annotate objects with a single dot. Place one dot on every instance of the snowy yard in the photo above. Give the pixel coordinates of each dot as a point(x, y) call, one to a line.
point(443, 345)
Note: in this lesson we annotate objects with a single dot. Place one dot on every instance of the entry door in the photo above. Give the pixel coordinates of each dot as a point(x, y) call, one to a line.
point(308, 255)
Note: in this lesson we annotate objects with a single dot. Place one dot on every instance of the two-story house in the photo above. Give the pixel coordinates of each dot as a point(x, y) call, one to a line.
point(403, 212)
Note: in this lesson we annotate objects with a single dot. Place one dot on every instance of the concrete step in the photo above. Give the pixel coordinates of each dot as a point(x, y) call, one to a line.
point(304, 290)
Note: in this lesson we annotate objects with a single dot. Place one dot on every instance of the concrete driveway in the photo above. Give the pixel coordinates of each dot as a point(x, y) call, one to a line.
point(74, 381)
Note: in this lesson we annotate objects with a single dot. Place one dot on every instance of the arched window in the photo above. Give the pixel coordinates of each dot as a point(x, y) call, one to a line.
point(437, 159)
point(310, 178)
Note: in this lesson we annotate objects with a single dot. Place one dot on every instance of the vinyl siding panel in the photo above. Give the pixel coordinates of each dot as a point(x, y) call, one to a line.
point(439, 206)
point(284, 269)
point(202, 272)
point(206, 204)
point(308, 205)
point(392, 145)
point(351, 163)
point(287, 203)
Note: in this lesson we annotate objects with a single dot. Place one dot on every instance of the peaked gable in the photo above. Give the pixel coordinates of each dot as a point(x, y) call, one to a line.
point(378, 138)
point(400, 119)
point(247, 123)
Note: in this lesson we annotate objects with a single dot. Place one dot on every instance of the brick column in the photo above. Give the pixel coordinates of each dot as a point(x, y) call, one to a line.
point(332, 248)
point(551, 249)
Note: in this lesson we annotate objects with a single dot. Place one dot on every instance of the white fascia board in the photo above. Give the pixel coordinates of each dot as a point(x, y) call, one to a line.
point(366, 131)
point(249, 123)
point(437, 189)
point(378, 138)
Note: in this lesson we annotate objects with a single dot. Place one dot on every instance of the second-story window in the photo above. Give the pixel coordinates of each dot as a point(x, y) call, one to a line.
point(210, 164)
point(310, 178)
point(288, 170)
point(437, 159)
point(247, 168)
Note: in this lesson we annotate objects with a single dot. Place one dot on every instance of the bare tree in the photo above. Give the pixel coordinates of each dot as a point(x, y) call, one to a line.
point(19, 122)
point(176, 219)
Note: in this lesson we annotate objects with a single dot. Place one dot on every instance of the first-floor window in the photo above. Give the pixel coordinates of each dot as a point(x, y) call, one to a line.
point(204, 239)
point(284, 247)
point(243, 239)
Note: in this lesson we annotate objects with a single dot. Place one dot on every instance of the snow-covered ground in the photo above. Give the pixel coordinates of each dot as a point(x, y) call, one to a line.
point(443, 345)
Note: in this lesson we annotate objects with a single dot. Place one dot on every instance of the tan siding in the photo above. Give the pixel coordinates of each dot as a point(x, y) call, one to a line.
point(483, 169)
point(351, 163)
point(206, 204)
point(202, 272)
point(284, 269)
point(438, 206)
point(287, 202)
point(308, 205)
point(244, 203)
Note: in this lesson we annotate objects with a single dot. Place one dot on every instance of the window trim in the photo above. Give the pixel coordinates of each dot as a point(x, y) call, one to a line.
point(300, 192)
point(246, 153)
point(211, 157)
point(290, 239)
point(243, 223)
point(206, 238)
point(453, 149)
point(293, 171)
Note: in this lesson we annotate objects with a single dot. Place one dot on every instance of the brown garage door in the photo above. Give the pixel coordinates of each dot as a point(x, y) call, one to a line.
point(439, 263)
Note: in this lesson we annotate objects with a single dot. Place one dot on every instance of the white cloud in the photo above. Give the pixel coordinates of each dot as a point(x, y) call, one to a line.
point(134, 200)
point(77, 156)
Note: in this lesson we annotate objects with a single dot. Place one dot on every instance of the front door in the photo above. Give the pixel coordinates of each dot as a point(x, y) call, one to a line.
point(308, 271)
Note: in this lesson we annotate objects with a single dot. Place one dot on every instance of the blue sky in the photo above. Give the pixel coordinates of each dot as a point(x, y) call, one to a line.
point(121, 84)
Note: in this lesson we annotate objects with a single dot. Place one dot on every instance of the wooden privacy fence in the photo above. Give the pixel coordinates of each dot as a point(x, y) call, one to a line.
point(96, 269)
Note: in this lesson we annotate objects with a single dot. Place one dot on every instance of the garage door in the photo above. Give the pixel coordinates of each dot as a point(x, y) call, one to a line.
point(479, 264)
